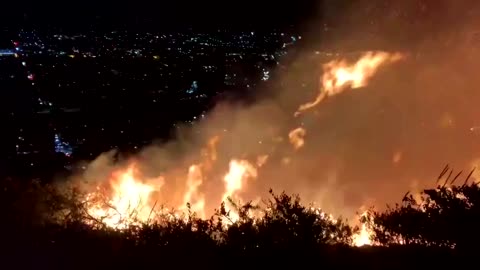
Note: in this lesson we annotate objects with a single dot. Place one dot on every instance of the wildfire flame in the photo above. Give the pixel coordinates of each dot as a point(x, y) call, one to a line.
point(362, 237)
point(129, 199)
point(194, 180)
point(239, 172)
point(129, 202)
point(338, 74)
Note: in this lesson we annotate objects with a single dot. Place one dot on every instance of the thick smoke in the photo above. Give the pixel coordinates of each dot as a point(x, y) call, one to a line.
point(413, 118)
point(365, 146)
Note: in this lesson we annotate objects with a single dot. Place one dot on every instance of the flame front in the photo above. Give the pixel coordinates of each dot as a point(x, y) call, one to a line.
point(129, 203)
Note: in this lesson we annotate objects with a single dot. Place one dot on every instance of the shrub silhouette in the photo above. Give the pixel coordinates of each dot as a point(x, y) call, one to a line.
point(41, 215)
point(54, 228)
point(447, 216)
point(284, 224)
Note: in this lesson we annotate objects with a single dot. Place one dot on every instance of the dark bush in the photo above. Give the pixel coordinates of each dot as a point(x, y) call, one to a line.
point(42, 227)
point(447, 216)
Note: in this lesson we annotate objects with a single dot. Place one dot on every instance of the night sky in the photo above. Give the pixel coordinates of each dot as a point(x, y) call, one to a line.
point(164, 14)
point(409, 15)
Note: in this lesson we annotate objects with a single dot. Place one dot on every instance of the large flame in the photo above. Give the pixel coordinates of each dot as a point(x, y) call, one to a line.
point(192, 194)
point(338, 74)
point(240, 171)
point(364, 236)
point(129, 202)
point(128, 198)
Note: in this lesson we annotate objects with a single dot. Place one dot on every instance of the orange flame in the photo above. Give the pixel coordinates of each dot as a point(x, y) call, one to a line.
point(239, 172)
point(128, 197)
point(194, 180)
point(338, 74)
point(130, 201)
point(364, 236)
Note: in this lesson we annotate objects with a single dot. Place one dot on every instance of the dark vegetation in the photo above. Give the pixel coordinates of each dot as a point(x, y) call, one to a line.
point(41, 227)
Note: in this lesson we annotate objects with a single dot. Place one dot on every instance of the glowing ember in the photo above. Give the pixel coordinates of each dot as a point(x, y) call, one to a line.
point(338, 75)
point(261, 160)
point(397, 157)
point(296, 137)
